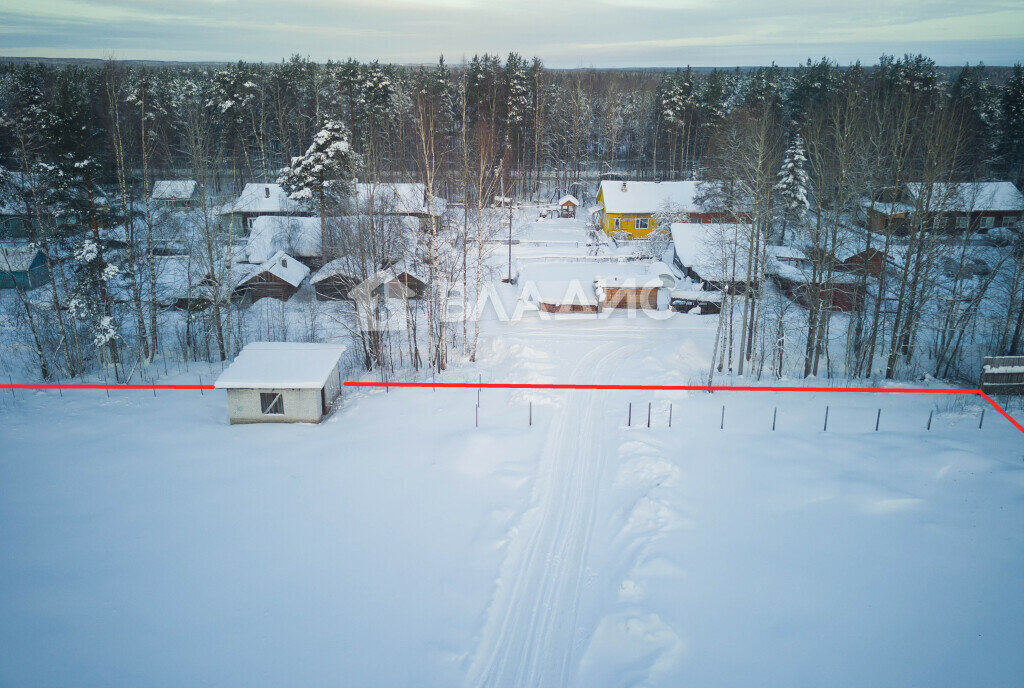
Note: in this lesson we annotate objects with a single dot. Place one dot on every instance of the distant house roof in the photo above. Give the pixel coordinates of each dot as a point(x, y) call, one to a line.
point(568, 198)
point(282, 266)
point(173, 189)
point(971, 196)
point(18, 258)
point(785, 253)
point(578, 282)
point(298, 236)
point(281, 365)
point(648, 197)
point(396, 198)
point(711, 249)
point(346, 266)
point(263, 199)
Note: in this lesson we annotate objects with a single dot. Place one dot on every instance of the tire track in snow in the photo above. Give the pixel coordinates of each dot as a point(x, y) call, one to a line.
point(529, 636)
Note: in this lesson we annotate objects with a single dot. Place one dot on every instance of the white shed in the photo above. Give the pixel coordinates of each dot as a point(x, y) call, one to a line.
point(282, 382)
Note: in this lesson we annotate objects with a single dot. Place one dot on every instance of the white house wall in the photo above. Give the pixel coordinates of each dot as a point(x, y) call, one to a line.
point(300, 405)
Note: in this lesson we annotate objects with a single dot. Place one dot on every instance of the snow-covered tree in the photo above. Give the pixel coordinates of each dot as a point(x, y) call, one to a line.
point(324, 173)
point(793, 180)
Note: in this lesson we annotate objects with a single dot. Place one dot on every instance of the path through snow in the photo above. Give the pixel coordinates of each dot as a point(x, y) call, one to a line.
point(530, 636)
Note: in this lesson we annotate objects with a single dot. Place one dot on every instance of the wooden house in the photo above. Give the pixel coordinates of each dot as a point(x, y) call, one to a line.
point(870, 262)
point(282, 382)
point(630, 208)
point(953, 207)
point(408, 199)
point(173, 193)
point(967, 206)
point(277, 278)
point(22, 267)
point(565, 297)
point(567, 206)
point(259, 200)
point(715, 255)
point(404, 281)
point(335, 280)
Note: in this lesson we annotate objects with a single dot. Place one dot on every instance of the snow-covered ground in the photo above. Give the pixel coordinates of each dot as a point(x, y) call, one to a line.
point(145, 541)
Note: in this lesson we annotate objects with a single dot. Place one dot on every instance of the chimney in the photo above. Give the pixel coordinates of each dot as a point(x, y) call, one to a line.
point(623, 187)
point(284, 262)
point(266, 191)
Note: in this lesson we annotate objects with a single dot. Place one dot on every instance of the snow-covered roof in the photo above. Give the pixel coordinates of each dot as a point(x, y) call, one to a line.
point(697, 295)
point(346, 266)
point(281, 365)
point(17, 258)
point(568, 198)
point(710, 249)
point(173, 189)
point(886, 208)
point(648, 197)
point(575, 282)
point(283, 266)
point(299, 236)
point(395, 197)
point(262, 198)
point(785, 253)
point(971, 196)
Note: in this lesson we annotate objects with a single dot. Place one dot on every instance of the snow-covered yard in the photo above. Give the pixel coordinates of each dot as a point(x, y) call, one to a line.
point(145, 541)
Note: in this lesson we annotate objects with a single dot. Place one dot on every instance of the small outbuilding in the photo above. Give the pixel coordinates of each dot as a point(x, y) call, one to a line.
point(173, 193)
point(278, 278)
point(567, 205)
point(22, 267)
point(335, 280)
point(282, 382)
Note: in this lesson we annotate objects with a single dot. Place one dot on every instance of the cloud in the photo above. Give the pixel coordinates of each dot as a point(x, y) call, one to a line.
point(571, 33)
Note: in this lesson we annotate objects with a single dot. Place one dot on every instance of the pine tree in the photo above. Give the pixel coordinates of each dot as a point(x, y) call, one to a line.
point(1011, 127)
point(323, 174)
point(793, 182)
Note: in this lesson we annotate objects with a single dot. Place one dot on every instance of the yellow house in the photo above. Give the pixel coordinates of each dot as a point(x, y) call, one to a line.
point(629, 207)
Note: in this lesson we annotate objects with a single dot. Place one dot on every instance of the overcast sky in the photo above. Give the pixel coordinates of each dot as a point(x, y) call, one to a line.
point(564, 33)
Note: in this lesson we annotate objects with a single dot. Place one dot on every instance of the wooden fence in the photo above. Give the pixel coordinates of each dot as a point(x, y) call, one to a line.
point(1003, 375)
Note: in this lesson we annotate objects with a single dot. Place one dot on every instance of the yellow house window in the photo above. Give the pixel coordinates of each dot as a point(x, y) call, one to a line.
point(643, 223)
point(617, 224)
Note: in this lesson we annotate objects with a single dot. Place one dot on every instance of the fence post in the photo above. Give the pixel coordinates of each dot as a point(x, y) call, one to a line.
point(877, 419)
point(775, 414)
point(670, 414)
point(629, 417)
point(980, 422)
point(826, 420)
point(929, 425)
point(531, 414)
point(201, 392)
point(648, 414)
point(721, 424)
point(476, 418)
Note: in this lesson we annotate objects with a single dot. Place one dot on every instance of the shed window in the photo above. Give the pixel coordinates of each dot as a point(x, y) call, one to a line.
point(272, 403)
point(643, 223)
point(961, 222)
point(988, 222)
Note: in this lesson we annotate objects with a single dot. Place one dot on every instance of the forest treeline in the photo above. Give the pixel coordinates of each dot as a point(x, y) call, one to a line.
point(82, 145)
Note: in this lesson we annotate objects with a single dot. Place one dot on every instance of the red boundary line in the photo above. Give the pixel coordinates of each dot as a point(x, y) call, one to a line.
point(509, 385)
